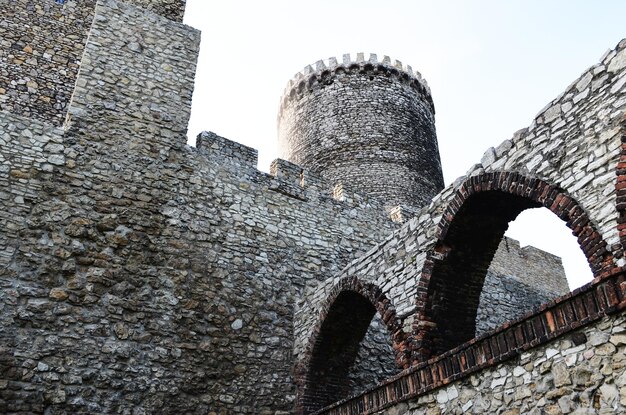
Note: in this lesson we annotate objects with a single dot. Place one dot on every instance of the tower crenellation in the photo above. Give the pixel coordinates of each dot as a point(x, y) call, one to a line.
point(364, 123)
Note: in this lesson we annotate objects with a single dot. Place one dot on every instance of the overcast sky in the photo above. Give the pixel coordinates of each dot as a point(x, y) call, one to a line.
point(491, 65)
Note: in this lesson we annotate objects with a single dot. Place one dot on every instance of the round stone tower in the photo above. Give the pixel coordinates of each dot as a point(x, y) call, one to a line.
point(366, 124)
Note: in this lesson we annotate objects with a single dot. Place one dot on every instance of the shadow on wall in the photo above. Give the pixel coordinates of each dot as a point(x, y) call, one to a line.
point(469, 235)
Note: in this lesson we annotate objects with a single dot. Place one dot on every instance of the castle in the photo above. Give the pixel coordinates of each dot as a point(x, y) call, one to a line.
point(143, 275)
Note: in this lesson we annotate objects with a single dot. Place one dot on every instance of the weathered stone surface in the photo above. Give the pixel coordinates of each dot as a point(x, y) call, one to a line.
point(366, 125)
point(42, 45)
point(527, 398)
point(141, 274)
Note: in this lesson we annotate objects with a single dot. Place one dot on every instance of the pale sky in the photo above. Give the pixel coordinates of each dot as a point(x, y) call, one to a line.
point(491, 66)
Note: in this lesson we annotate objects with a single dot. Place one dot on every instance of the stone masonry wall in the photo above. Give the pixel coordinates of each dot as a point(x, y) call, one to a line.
point(566, 161)
point(531, 266)
point(176, 269)
point(41, 45)
point(582, 373)
point(364, 124)
point(575, 328)
point(141, 274)
point(574, 143)
point(518, 280)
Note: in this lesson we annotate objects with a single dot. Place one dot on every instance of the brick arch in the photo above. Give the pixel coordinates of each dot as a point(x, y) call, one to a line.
point(467, 237)
point(322, 375)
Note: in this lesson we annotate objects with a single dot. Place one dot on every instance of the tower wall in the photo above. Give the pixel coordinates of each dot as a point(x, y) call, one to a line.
point(41, 46)
point(367, 125)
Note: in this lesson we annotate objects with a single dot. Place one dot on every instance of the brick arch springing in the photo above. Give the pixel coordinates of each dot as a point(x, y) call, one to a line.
point(467, 237)
point(322, 376)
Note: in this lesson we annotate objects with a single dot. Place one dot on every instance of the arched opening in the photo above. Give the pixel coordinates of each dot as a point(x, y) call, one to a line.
point(469, 235)
point(538, 260)
point(544, 230)
point(334, 365)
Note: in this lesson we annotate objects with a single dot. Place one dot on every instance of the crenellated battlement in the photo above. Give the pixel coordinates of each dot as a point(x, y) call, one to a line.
point(324, 71)
point(196, 283)
point(288, 178)
point(367, 121)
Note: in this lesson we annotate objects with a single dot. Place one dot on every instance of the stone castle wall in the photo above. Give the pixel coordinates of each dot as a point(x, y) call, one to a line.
point(177, 270)
point(41, 45)
point(566, 161)
point(580, 373)
point(518, 280)
point(365, 124)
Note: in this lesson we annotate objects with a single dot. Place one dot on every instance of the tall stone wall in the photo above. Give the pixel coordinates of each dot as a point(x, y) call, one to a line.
point(566, 161)
point(364, 124)
point(564, 357)
point(41, 45)
point(176, 269)
point(537, 159)
point(518, 281)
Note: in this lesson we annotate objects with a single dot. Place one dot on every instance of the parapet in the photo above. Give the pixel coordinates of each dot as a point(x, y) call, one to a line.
point(322, 72)
point(214, 146)
point(531, 266)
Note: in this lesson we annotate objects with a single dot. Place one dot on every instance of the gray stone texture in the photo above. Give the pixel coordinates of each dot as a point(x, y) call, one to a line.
point(142, 275)
point(518, 280)
point(559, 378)
point(41, 45)
point(367, 125)
point(576, 148)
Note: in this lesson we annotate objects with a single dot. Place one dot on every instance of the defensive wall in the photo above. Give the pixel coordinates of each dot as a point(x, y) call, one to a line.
point(42, 42)
point(543, 363)
point(141, 274)
point(568, 160)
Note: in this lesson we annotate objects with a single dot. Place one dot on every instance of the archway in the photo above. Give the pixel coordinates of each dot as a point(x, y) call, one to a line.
point(468, 235)
point(323, 375)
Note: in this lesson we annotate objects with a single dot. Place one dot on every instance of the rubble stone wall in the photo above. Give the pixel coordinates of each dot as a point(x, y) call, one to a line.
point(566, 161)
point(41, 46)
point(175, 269)
point(139, 273)
point(41, 43)
point(578, 135)
point(518, 280)
point(580, 373)
point(566, 356)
